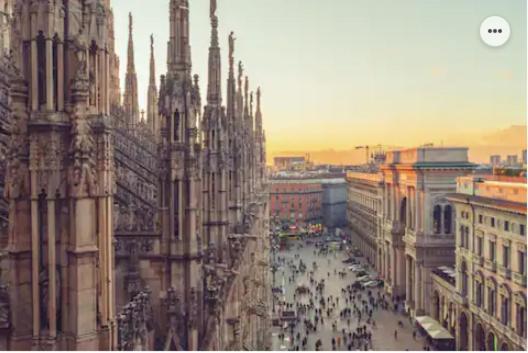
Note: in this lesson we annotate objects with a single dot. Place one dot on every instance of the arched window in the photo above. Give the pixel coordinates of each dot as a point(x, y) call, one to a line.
point(492, 297)
point(41, 69)
point(403, 212)
point(479, 290)
point(437, 219)
point(55, 69)
point(505, 305)
point(447, 219)
point(520, 314)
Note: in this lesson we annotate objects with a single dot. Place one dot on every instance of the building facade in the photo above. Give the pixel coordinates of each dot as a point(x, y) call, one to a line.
point(122, 233)
point(296, 201)
point(490, 262)
point(418, 221)
point(364, 213)
point(334, 203)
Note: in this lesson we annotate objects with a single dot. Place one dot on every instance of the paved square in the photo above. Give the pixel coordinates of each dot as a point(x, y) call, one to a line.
point(329, 265)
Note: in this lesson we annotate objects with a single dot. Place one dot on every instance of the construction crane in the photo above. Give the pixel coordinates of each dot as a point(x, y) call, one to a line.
point(367, 149)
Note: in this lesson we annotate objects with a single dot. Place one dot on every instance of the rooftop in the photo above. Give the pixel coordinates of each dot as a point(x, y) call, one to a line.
point(430, 156)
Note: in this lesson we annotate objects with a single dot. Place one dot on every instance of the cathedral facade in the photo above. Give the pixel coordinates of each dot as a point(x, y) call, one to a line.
point(128, 232)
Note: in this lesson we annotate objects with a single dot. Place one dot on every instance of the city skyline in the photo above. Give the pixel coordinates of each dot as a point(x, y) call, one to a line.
point(432, 89)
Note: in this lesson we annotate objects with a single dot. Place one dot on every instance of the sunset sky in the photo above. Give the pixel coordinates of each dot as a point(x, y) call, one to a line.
point(340, 73)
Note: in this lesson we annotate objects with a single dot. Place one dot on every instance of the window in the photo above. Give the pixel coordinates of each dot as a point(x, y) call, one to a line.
point(478, 293)
point(479, 246)
point(447, 219)
point(492, 250)
point(492, 301)
point(506, 226)
point(522, 229)
point(520, 319)
point(492, 221)
point(480, 218)
point(522, 262)
point(505, 310)
point(437, 215)
point(506, 256)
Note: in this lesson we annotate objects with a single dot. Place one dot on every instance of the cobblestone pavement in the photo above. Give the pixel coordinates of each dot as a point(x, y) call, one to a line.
point(386, 320)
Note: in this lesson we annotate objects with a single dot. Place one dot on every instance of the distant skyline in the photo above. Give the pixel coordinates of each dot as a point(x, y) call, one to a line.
point(340, 73)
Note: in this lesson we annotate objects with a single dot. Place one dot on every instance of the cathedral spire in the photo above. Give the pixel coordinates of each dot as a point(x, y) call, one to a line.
point(258, 113)
point(231, 83)
point(214, 94)
point(246, 97)
point(130, 99)
point(179, 50)
point(152, 95)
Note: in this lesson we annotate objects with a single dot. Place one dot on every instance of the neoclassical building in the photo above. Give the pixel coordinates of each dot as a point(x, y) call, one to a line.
point(418, 221)
point(490, 263)
point(129, 233)
point(364, 213)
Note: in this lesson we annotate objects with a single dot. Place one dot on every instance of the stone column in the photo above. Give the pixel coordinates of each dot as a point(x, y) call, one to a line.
point(34, 76)
point(417, 285)
point(35, 266)
point(49, 75)
point(408, 284)
point(52, 313)
point(60, 76)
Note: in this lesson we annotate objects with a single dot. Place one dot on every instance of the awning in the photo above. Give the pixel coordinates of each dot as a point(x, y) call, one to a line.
point(433, 328)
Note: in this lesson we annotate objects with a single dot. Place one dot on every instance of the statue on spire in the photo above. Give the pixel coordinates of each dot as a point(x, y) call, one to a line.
point(212, 9)
point(231, 44)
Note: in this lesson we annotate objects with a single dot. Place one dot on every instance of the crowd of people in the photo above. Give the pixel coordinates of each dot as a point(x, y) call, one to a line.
point(350, 313)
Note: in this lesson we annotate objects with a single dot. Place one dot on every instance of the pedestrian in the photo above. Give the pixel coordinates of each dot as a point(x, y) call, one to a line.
point(395, 334)
point(414, 335)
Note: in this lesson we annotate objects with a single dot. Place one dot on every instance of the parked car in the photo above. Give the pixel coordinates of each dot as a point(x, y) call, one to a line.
point(363, 278)
point(350, 260)
point(361, 273)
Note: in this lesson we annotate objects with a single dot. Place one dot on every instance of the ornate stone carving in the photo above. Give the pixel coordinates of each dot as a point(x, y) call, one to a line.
point(5, 314)
point(135, 322)
point(83, 174)
point(176, 316)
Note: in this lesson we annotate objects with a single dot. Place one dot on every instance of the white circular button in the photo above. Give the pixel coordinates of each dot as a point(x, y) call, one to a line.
point(495, 31)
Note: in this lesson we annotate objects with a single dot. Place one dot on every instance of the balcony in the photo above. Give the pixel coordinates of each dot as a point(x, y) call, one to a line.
point(490, 265)
point(519, 278)
point(505, 272)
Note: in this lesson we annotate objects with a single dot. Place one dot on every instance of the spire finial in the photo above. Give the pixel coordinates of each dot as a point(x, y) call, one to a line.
point(151, 43)
point(240, 74)
point(258, 99)
point(251, 103)
point(214, 24)
point(130, 22)
point(212, 8)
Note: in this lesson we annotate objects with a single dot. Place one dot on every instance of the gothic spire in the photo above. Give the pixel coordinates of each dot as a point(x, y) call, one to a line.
point(214, 94)
point(130, 99)
point(152, 95)
point(231, 83)
point(246, 97)
point(152, 78)
point(258, 113)
point(179, 50)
